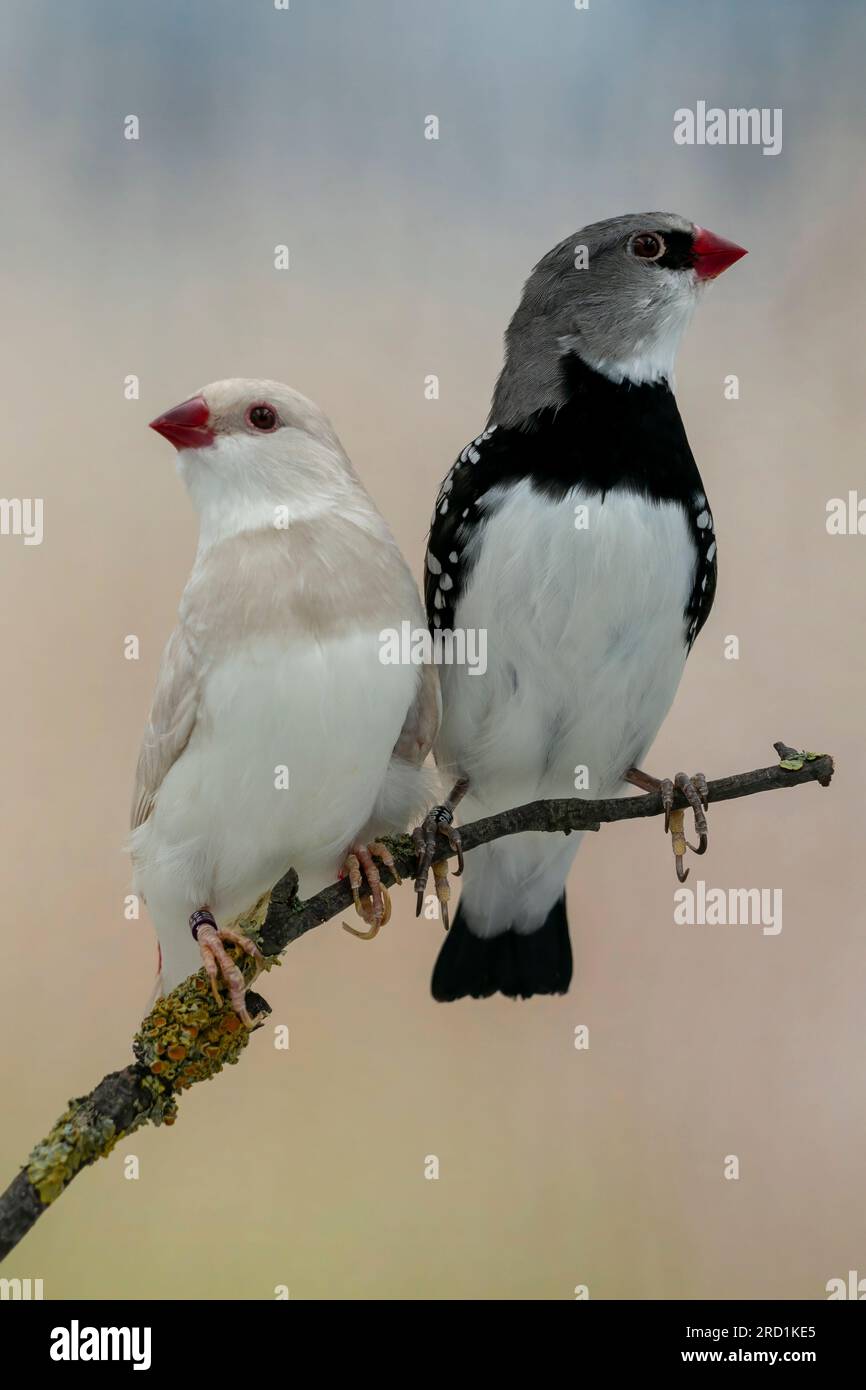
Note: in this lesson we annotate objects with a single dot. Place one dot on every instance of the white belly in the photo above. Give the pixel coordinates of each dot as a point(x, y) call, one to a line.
point(585, 645)
point(323, 719)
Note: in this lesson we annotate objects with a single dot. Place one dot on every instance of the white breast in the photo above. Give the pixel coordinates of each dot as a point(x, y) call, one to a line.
point(585, 642)
point(227, 821)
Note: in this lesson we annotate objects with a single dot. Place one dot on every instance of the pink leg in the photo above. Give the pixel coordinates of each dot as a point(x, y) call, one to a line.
point(375, 908)
point(217, 961)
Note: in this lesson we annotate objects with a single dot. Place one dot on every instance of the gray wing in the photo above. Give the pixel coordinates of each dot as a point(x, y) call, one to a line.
point(172, 719)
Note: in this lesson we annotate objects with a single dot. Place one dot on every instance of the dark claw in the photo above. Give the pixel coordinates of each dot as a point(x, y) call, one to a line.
point(423, 868)
point(691, 790)
point(666, 787)
point(456, 842)
point(425, 837)
point(439, 821)
point(695, 793)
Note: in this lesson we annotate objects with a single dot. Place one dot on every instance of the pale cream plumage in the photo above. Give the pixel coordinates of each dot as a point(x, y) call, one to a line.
point(276, 661)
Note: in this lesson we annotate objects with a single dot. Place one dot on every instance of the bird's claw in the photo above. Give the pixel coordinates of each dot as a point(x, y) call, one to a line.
point(696, 793)
point(678, 841)
point(425, 838)
point(374, 907)
point(218, 964)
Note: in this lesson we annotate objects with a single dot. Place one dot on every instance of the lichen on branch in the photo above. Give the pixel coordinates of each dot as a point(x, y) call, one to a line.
point(189, 1037)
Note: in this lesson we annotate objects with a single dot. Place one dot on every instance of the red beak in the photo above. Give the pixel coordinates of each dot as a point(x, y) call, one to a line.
point(713, 254)
point(187, 426)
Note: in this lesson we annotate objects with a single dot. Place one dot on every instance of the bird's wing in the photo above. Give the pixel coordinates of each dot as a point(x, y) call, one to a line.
point(704, 586)
point(172, 719)
point(422, 722)
point(460, 510)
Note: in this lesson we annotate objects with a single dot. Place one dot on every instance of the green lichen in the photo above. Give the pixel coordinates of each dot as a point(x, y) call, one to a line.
point(401, 846)
point(78, 1138)
point(251, 922)
point(187, 1037)
point(795, 763)
point(162, 1106)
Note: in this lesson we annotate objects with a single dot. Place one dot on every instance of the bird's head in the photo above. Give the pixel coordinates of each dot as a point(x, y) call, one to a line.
point(619, 294)
point(246, 447)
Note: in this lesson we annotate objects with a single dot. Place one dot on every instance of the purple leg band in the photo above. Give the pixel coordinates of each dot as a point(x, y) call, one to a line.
point(202, 917)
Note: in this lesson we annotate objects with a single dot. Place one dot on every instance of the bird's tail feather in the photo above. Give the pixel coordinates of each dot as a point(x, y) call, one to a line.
point(511, 963)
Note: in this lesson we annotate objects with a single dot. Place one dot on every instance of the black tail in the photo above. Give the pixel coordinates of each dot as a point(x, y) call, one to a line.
point(518, 966)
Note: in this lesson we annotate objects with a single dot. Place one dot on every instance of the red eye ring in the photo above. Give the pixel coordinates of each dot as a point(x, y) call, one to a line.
point(262, 417)
point(647, 246)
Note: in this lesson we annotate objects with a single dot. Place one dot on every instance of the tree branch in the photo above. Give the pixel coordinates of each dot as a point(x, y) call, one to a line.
point(188, 1038)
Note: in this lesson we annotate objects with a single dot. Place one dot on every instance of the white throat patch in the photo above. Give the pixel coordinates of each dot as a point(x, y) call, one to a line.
point(654, 335)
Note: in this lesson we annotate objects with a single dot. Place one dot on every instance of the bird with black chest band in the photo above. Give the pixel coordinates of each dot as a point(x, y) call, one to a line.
point(575, 529)
point(277, 735)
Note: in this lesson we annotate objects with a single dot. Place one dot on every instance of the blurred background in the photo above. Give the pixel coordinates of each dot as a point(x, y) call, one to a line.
point(155, 257)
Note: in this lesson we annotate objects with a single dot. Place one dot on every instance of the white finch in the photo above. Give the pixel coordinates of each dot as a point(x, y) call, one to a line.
point(277, 735)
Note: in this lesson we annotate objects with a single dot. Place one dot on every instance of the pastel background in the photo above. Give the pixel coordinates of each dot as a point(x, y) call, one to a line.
point(558, 1167)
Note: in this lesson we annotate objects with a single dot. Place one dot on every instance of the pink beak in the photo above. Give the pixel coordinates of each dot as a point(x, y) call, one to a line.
point(187, 426)
point(713, 254)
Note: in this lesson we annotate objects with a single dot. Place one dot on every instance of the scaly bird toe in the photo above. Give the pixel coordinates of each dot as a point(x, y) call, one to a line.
point(443, 889)
point(695, 791)
point(425, 838)
point(374, 907)
point(219, 965)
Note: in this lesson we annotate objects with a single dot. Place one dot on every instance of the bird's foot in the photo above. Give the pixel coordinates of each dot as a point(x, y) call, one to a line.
point(218, 963)
point(425, 838)
point(374, 907)
point(695, 791)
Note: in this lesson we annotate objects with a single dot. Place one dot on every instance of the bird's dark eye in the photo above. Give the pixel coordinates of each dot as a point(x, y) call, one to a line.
point(262, 417)
point(647, 246)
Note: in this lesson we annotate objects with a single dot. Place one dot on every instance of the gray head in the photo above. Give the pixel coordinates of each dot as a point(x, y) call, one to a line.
point(618, 293)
